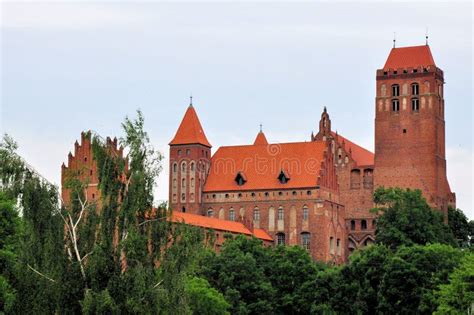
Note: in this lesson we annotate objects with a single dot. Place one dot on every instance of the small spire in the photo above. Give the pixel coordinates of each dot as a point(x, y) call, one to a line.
point(261, 128)
point(426, 36)
point(394, 39)
point(191, 100)
point(325, 110)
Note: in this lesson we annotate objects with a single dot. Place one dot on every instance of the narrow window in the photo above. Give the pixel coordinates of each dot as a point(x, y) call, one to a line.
point(306, 240)
point(183, 209)
point(395, 105)
point(280, 238)
point(363, 225)
point(192, 182)
point(188, 151)
point(256, 214)
point(183, 197)
point(338, 246)
point(353, 225)
point(179, 152)
point(415, 104)
point(305, 213)
point(395, 90)
point(415, 88)
point(183, 183)
point(280, 213)
point(192, 167)
point(175, 168)
point(183, 167)
point(231, 214)
point(331, 245)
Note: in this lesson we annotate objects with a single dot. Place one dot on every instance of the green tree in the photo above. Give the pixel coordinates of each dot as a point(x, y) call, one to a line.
point(407, 219)
point(457, 296)
point(203, 299)
point(459, 226)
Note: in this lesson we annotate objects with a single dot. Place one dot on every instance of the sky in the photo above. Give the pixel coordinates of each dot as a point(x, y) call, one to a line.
point(73, 66)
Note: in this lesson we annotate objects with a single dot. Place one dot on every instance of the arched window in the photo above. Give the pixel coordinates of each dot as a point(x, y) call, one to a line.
point(256, 214)
point(363, 225)
point(305, 213)
point(183, 197)
point(338, 246)
point(175, 167)
point(231, 214)
point(281, 214)
point(174, 183)
point(183, 167)
point(331, 245)
point(280, 239)
point(210, 213)
point(192, 167)
point(183, 183)
point(415, 104)
point(355, 179)
point(415, 89)
point(395, 90)
point(192, 182)
point(306, 240)
point(353, 225)
point(395, 105)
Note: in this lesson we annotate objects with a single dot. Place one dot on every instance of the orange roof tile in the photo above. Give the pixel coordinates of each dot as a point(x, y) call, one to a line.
point(260, 139)
point(262, 164)
point(218, 224)
point(405, 57)
point(190, 130)
point(360, 155)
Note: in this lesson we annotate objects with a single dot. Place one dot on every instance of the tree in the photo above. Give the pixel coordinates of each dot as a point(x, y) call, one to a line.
point(205, 300)
point(457, 296)
point(407, 219)
point(459, 226)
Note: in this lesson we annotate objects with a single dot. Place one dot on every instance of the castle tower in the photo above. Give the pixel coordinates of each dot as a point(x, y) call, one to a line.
point(190, 155)
point(410, 126)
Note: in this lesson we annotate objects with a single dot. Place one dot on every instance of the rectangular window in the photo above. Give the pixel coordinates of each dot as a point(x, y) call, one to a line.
point(338, 244)
point(395, 105)
point(415, 104)
point(305, 240)
point(305, 214)
point(415, 89)
point(280, 214)
point(395, 90)
point(331, 245)
point(280, 239)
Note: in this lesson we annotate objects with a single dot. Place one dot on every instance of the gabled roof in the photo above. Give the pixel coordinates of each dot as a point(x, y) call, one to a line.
point(360, 155)
point(218, 224)
point(262, 165)
point(405, 57)
point(190, 130)
point(260, 139)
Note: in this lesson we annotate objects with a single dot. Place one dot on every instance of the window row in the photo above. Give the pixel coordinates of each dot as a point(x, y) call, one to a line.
point(415, 89)
point(183, 167)
point(256, 213)
point(363, 225)
point(266, 194)
point(305, 239)
point(188, 152)
point(415, 104)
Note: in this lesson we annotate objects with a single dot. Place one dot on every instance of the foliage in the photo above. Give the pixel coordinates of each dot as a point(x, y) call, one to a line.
point(457, 296)
point(407, 219)
point(460, 226)
point(203, 299)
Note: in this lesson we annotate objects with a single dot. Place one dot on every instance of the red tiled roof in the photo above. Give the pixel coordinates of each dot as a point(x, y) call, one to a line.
point(405, 57)
point(262, 164)
point(261, 139)
point(190, 130)
point(360, 155)
point(218, 224)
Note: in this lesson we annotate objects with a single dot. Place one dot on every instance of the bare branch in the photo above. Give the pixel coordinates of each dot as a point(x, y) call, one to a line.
point(152, 220)
point(86, 255)
point(39, 273)
point(156, 285)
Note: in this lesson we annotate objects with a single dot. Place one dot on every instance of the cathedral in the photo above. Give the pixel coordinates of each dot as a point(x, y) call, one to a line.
point(316, 193)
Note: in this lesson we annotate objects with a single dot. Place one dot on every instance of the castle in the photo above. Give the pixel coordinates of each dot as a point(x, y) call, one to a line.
point(318, 193)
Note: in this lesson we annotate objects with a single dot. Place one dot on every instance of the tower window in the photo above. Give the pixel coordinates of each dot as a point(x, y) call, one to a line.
point(395, 90)
point(179, 152)
point(363, 225)
point(395, 105)
point(305, 213)
point(281, 239)
point(415, 89)
point(353, 225)
point(183, 183)
point(183, 197)
point(192, 167)
point(231, 214)
point(175, 168)
point(415, 104)
point(188, 151)
point(404, 131)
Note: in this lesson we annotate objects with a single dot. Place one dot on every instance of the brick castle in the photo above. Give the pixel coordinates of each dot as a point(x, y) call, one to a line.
point(318, 193)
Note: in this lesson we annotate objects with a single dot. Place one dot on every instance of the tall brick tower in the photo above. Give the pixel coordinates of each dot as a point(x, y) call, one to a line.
point(410, 126)
point(190, 155)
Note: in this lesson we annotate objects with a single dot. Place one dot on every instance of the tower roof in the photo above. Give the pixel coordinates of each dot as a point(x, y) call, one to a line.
point(190, 130)
point(260, 139)
point(413, 56)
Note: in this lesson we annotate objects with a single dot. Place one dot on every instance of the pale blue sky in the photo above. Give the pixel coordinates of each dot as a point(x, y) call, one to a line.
point(72, 66)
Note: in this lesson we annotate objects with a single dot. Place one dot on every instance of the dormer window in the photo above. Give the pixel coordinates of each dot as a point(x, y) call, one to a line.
point(283, 177)
point(240, 179)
